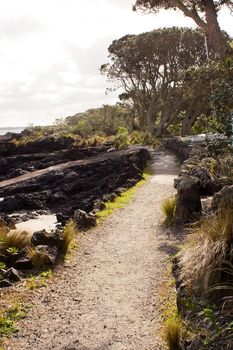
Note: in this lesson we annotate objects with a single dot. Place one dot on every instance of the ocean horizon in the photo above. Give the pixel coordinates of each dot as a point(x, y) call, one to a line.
point(16, 130)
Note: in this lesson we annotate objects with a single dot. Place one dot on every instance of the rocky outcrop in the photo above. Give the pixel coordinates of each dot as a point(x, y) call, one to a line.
point(49, 255)
point(198, 177)
point(206, 181)
point(14, 164)
point(52, 239)
point(223, 201)
point(78, 185)
point(84, 220)
point(179, 148)
point(188, 205)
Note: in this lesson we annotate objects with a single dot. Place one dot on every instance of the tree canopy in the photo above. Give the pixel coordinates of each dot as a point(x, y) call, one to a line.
point(152, 73)
point(203, 12)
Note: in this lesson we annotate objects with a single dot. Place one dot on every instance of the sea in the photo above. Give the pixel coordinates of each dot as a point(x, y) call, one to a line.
point(16, 130)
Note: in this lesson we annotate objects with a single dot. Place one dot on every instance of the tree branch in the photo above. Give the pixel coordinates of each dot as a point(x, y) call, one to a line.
point(190, 13)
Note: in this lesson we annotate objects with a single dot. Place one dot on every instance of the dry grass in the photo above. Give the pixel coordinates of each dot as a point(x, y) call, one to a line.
point(209, 247)
point(17, 239)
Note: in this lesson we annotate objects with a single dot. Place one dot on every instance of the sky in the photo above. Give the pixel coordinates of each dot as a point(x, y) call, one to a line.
point(51, 52)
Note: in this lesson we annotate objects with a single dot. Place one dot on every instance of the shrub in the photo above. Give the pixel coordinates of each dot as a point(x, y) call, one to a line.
point(210, 247)
point(168, 208)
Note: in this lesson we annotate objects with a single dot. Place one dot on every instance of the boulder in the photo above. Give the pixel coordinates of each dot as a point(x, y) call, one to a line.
point(206, 181)
point(222, 182)
point(7, 221)
point(111, 197)
point(23, 261)
point(99, 205)
point(51, 239)
point(188, 204)
point(12, 275)
point(83, 219)
point(11, 204)
point(61, 218)
point(120, 190)
point(3, 224)
point(5, 283)
point(48, 254)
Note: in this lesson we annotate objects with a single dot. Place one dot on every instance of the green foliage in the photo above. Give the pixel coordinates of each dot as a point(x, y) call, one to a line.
point(205, 124)
point(151, 73)
point(13, 250)
point(211, 164)
point(2, 265)
point(168, 208)
point(39, 281)
point(9, 317)
point(211, 88)
point(122, 137)
point(104, 121)
point(203, 13)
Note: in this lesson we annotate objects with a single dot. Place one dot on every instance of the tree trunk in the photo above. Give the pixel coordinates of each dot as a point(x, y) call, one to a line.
point(188, 123)
point(164, 119)
point(150, 114)
point(214, 32)
point(210, 25)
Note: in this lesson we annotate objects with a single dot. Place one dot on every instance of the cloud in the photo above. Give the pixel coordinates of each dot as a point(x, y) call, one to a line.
point(20, 26)
point(51, 52)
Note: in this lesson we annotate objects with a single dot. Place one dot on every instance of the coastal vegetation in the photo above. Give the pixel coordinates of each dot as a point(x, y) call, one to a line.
point(183, 87)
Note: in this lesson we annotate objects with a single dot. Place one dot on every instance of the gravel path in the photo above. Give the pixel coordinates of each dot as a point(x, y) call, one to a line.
point(106, 297)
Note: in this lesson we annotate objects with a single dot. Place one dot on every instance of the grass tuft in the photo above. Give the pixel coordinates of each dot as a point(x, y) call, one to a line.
point(173, 334)
point(210, 247)
point(69, 233)
point(38, 258)
point(168, 208)
point(14, 239)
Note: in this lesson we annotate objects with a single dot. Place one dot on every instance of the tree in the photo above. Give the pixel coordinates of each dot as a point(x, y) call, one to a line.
point(150, 72)
point(208, 92)
point(203, 12)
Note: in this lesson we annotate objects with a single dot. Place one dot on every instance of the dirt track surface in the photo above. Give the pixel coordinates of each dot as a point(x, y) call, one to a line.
point(107, 296)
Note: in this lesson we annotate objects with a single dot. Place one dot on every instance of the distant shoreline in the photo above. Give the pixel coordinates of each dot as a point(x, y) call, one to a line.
point(15, 130)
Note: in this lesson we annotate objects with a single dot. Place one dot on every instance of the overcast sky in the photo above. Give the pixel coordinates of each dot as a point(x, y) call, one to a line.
point(51, 51)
